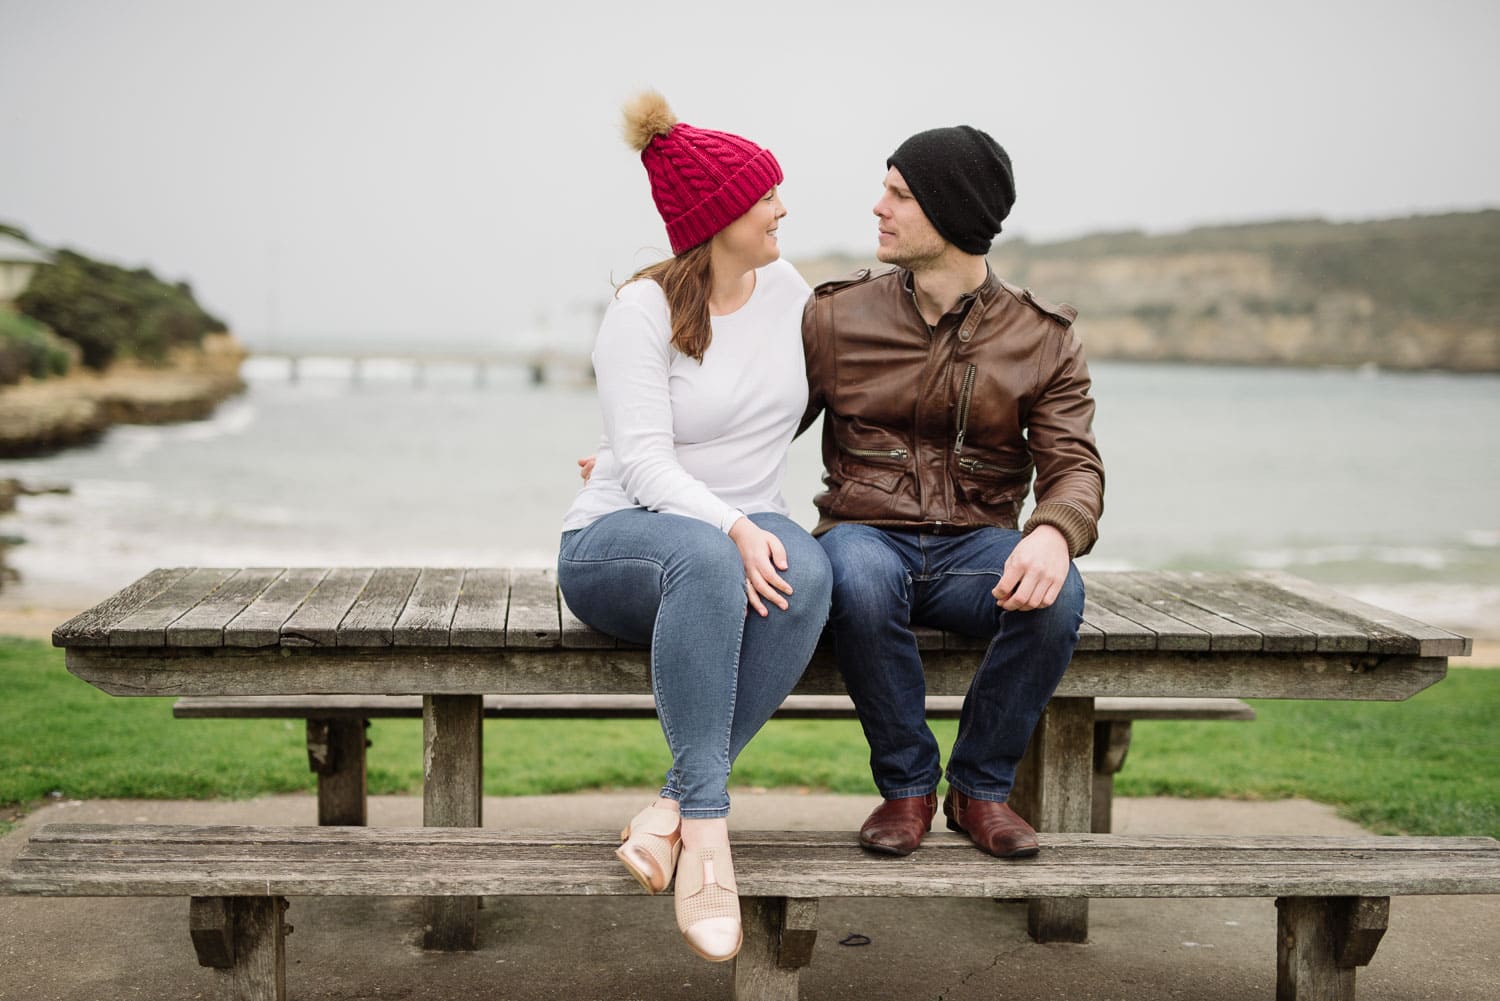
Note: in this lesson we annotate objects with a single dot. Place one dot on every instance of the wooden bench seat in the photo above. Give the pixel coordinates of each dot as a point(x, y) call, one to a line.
point(1332, 894)
point(336, 724)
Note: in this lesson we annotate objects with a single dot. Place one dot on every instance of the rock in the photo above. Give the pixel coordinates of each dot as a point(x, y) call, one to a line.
point(44, 415)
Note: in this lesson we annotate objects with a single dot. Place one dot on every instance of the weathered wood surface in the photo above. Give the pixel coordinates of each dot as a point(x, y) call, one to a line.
point(1312, 961)
point(92, 627)
point(491, 608)
point(557, 670)
point(759, 973)
point(452, 796)
point(642, 706)
point(1053, 786)
point(260, 624)
point(205, 623)
point(371, 620)
point(1388, 631)
point(145, 860)
point(428, 616)
point(336, 753)
point(146, 625)
point(211, 927)
point(535, 619)
point(316, 621)
point(479, 618)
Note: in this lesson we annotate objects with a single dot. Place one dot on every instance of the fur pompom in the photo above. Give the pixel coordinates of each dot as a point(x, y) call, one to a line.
point(647, 115)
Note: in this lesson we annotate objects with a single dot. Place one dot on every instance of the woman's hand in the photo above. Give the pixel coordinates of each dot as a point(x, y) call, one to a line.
point(586, 467)
point(763, 554)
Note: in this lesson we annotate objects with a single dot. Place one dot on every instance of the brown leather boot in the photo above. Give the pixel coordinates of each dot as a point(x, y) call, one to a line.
point(994, 827)
point(897, 825)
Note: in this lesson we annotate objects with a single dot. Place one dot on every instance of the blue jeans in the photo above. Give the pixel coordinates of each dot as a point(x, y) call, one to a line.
point(885, 581)
point(718, 673)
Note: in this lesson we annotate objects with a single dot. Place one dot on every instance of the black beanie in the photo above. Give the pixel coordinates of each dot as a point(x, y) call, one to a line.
point(963, 181)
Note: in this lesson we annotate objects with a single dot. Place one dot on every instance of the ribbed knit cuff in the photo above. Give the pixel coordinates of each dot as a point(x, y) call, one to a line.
point(1077, 528)
point(733, 515)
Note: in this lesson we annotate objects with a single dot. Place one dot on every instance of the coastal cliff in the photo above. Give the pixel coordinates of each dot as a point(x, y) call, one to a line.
point(46, 414)
point(1415, 293)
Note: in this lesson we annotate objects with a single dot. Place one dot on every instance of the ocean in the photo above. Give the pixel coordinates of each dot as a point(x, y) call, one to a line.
point(1381, 484)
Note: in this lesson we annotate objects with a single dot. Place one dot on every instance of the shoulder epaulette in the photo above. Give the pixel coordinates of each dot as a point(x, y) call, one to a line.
point(1059, 311)
point(850, 280)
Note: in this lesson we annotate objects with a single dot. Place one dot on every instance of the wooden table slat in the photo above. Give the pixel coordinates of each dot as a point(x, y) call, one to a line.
point(1172, 633)
point(203, 625)
point(371, 620)
point(260, 624)
point(534, 620)
point(1216, 593)
point(1120, 633)
point(1157, 591)
point(1336, 633)
point(479, 618)
point(428, 616)
point(1389, 631)
point(316, 620)
point(92, 626)
point(147, 625)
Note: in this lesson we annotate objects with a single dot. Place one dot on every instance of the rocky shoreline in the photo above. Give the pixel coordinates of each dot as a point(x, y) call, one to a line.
point(39, 416)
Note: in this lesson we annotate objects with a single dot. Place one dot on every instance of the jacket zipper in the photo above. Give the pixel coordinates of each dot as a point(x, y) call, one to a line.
point(975, 466)
point(964, 397)
point(875, 453)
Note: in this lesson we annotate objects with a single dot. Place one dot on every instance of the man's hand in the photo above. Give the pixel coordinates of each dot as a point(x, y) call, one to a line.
point(586, 467)
point(1035, 572)
point(763, 554)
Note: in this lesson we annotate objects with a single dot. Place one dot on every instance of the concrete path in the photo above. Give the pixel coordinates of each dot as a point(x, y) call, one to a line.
point(582, 949)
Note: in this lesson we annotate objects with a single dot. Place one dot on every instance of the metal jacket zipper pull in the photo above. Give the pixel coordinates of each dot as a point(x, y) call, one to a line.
point(964, 396)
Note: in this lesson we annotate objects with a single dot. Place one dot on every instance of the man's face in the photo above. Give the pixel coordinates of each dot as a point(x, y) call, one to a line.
point(906, 236)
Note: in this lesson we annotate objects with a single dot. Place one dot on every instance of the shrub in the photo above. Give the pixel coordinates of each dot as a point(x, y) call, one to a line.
point(28, 348)
point(108, 310)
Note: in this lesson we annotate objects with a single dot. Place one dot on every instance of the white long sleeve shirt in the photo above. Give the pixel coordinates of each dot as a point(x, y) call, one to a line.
point(707, 441)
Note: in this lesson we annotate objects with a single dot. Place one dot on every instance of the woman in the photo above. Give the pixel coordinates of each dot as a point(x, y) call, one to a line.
point(681, 527)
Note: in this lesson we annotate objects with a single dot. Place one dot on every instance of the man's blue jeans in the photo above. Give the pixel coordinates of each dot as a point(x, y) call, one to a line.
point(718, 673)
point(884, 582)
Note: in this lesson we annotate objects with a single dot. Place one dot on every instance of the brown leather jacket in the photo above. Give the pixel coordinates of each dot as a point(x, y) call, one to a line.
point(942, 428)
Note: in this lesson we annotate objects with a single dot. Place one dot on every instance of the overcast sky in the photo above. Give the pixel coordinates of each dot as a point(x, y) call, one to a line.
point(454, 170)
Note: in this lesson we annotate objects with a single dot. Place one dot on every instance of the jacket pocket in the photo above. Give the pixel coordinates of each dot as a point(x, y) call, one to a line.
point(875, 464)
point(994, 477)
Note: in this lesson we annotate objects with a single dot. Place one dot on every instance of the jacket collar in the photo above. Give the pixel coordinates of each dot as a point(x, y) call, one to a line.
point(982, 296)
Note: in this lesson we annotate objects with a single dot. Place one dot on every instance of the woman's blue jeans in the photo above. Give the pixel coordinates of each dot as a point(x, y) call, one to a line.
point(886, 581)
point(718, 672)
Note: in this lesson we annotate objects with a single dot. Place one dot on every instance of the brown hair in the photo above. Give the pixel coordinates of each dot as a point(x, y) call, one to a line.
point(686, 279)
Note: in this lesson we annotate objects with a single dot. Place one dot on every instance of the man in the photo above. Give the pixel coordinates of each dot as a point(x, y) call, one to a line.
point(944, 389)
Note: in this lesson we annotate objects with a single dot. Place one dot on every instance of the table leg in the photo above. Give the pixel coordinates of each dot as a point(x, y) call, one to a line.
point(452, 731)
point(336, 752)
point(1054, 792)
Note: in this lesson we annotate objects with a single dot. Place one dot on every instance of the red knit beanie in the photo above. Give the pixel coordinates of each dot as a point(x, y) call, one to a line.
point(701, 180)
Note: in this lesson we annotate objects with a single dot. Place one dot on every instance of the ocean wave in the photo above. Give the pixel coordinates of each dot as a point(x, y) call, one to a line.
point(1283, 558)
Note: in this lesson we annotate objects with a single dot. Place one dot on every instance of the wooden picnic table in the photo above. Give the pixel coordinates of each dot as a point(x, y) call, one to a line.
point(456, 635)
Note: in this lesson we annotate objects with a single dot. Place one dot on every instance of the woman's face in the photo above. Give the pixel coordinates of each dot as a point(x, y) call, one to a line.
point(751, 239)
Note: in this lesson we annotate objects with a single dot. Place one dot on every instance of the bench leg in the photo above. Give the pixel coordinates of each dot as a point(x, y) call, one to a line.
point(779, 936)
point(245, 939)
point(336, 752)
point(452, 771)
point(1320, 941)
point(1111, 744)
point(1055, 793)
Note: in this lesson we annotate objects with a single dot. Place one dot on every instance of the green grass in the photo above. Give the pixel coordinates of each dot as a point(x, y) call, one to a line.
point(1426, 766)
